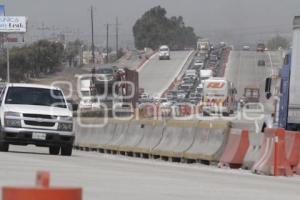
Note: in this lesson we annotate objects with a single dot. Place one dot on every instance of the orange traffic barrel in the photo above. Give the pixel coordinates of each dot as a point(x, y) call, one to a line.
point(41, 191)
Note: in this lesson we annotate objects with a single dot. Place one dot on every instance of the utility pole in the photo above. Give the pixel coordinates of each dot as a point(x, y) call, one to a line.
point(107, 38)
point(117, 37)
point(93, 44)
point(93, 79)
point(7, 61)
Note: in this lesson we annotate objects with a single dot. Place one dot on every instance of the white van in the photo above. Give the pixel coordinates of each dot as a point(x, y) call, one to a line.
point(219, 96)
point(206, 74)
point(87, 100)
point(164, 52)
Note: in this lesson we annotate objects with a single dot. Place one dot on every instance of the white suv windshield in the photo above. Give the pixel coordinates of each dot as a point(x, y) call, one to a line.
point(35, 96)
point(164, 49)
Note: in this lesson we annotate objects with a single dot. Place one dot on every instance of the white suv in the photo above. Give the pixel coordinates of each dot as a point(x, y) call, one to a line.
point(164, 52)
point(38, 115)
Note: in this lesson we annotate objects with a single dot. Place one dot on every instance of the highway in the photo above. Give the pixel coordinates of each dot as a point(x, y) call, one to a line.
point(243, 71)
point(115, 177)
point(156, 75)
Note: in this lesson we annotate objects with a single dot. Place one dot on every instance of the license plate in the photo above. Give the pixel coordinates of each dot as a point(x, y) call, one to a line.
point(39, 136)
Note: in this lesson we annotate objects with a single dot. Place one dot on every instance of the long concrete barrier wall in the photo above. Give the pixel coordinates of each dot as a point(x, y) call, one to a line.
point(177, 138)
point(209, 142)
point(153, 134)
point(95, 137)
point(190, 140)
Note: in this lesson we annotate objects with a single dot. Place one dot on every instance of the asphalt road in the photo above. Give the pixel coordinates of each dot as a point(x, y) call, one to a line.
point(114, 177)
point(156, 76)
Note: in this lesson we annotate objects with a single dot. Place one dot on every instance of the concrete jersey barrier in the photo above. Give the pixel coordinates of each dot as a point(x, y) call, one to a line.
point(153, 133)
point(177, 138)
point(210, 140)
point(204, 140)
point(132, 137)
point(119, 135)
point(93, 137)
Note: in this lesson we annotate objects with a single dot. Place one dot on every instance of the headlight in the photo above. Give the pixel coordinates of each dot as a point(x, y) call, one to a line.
point(65, 124)
point(66, 118)
point(86, 101)
point(65, 127)
point(11, 114)
point(16, 123)
point(11, 119)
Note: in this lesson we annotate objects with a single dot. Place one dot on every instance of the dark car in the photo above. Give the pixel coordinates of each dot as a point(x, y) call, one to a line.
point(213, 58)
point(105, 78)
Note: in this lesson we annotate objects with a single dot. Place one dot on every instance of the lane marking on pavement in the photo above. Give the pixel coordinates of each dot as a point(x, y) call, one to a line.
point(269, 55)
point(176, 74)
point(147, 61)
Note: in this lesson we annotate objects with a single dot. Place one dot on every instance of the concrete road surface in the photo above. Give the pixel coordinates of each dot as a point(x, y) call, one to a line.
point(120, 178)
point(243, 70)
point(156, 76)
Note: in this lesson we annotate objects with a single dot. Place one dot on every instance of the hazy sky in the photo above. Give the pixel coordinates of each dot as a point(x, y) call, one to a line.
point(231, 20)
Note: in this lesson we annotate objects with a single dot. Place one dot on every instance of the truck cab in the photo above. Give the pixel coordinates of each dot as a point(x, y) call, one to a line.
point(289, 103)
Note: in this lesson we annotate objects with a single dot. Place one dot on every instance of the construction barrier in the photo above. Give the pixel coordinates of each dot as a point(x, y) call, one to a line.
point(41, 191)
point(272, 159)
point(132, 137)
point(236, 149)
point(297, 169)
point(209, 143)
point(149, 111)
point(118, 136)
point(255, 143)
point(292, 141)
point(152, 136)
point(185, 110)
point(178, 137)
point(90, 133)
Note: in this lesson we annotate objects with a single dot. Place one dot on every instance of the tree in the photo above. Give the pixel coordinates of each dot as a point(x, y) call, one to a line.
point(277, 42)
point(73, 49)
point(154, 29)
point(32, 60)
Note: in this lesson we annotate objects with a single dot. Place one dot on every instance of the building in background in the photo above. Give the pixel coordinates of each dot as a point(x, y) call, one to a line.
point(87, 57)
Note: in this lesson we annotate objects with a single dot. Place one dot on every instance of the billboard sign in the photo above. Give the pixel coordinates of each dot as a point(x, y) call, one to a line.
point(12, 24)
point(2, 10)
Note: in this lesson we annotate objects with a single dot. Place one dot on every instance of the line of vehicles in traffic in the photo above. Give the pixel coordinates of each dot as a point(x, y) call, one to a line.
point(199, 85)
point(42, 116)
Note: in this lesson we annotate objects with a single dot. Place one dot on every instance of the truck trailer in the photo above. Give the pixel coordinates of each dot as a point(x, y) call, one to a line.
point(289, 103)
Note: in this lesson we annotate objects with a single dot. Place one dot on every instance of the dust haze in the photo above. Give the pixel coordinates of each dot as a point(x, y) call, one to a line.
point(232, 21)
